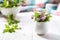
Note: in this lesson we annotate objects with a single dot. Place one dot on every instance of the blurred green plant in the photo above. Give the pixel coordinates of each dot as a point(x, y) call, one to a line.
point(11, 25)
point(10, 3)
point(11, 20)
point(11, 28)
point(41, 16)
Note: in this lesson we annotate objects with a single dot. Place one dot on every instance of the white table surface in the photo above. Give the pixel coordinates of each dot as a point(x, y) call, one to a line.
point(28, 25)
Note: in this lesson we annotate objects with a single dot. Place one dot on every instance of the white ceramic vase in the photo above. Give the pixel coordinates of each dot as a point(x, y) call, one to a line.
point(8, 11)
point(40, 28)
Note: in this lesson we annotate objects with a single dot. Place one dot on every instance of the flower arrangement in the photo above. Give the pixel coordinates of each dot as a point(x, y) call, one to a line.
point(41, 16)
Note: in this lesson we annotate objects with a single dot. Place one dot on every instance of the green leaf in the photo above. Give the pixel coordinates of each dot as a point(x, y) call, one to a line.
point(4, 3)
point(47, 18)
point(16, 21)
point(11, 3)
point(15, 26)
point(9, 22)
point(11, 30)
point(36, 15)
point(7, 26)
point(5, 30)
point(10, 17)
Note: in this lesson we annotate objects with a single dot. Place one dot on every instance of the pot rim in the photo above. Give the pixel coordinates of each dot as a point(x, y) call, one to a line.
point(42, 22)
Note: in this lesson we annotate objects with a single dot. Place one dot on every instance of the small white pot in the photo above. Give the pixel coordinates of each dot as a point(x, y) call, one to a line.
point(40, 27)
point(8, 11)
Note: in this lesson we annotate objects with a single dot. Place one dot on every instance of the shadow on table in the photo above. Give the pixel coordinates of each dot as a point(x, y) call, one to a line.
point(51, 37)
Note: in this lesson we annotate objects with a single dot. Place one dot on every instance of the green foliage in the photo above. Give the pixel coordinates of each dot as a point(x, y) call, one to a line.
point(47, 18)
point(10, 17)
point(5, 2)
point(11, 28)
point(12, 24)
point(35, 16)
point(10, 4)
point(39, 17)
point(11, 20)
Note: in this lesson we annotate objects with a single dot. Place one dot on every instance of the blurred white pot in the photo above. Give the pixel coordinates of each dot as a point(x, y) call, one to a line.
point(40, 27)
point(8, 11)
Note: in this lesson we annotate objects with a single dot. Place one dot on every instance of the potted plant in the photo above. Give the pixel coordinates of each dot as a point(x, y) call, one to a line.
point(10, 7)
point(41, 19)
